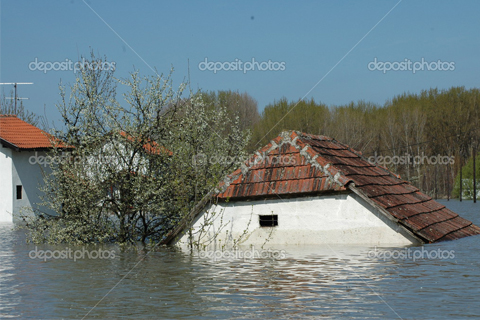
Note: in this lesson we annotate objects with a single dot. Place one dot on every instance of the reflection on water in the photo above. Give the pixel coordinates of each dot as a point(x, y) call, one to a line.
point(313, 281)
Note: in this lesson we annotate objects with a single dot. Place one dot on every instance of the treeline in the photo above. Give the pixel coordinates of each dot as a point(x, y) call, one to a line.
point(425, 137)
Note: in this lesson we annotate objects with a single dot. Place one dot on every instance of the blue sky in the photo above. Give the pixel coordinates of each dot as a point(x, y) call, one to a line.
point(310, 39)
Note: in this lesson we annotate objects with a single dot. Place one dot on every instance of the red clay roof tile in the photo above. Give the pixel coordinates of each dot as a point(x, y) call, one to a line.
point(17, 133)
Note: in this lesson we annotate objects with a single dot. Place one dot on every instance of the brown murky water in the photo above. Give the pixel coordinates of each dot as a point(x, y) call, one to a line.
point(440, 281)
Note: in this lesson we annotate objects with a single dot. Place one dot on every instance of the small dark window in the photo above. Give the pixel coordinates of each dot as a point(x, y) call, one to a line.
point(19, 192)
point(268, 221)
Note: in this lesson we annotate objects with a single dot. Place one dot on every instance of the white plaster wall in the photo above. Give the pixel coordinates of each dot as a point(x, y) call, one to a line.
point(28, 174)
point(333, 219)
point(6, 190)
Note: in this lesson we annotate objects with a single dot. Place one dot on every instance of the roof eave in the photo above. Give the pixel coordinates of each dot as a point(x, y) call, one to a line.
point(385, 213)
point(12, 146)
point(276, 196)
point(9, 145)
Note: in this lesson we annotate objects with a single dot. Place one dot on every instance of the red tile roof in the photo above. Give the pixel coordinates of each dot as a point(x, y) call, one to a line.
point(297, 163)
point(18, 134)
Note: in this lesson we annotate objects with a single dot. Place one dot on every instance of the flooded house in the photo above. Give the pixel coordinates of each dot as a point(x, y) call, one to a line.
point(308, 189)
point(23, 157)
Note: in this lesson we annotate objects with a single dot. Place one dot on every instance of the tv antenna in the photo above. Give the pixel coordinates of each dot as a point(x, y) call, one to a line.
point(15, 86)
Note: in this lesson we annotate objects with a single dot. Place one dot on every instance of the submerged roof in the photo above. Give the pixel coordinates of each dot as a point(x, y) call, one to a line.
point(18, 134)
point(297, 164)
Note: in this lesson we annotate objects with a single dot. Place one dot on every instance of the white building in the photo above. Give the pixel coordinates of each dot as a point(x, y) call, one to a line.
point(23, 150)
point(306, 189)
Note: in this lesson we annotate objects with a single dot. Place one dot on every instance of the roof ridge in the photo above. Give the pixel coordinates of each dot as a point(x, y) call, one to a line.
point(334, 173)
point(356, 152)
point(291, 137)
point(243, 169)
point(337, 177)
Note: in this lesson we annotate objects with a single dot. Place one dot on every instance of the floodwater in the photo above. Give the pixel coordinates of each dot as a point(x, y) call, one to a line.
point(436, 281)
